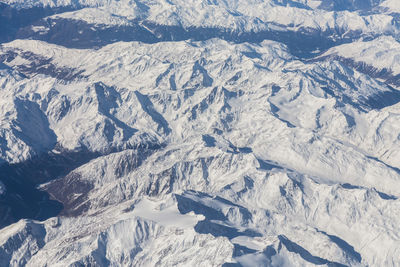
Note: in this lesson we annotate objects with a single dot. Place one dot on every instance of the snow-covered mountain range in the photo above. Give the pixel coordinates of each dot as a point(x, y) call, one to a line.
point(199, 133)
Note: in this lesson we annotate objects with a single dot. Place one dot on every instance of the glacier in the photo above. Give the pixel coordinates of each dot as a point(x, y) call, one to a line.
point(208, 133)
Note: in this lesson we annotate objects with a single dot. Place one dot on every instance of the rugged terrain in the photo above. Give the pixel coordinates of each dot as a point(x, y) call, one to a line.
point(199, 133)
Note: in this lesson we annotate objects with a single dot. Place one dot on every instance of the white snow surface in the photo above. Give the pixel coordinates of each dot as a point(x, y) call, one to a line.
point(207, 153)
point(380, 53)
point(391, 5)
point(232, 15)
point(170, 216)
point(226, 112)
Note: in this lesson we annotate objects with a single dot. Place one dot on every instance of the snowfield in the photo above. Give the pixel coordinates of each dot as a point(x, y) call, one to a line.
point(242, 147)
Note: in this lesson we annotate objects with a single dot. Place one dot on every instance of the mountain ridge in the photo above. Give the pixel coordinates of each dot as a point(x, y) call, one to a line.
point(234, 140)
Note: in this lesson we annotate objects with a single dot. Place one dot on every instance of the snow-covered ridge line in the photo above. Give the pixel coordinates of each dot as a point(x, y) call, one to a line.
point(385, 75)
point(26, 4)
point(226, 150)
point(307, 42)
point(246, 16)
point(351, 5)
point(381, 53)
point(378, 58)
point(178, 20)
